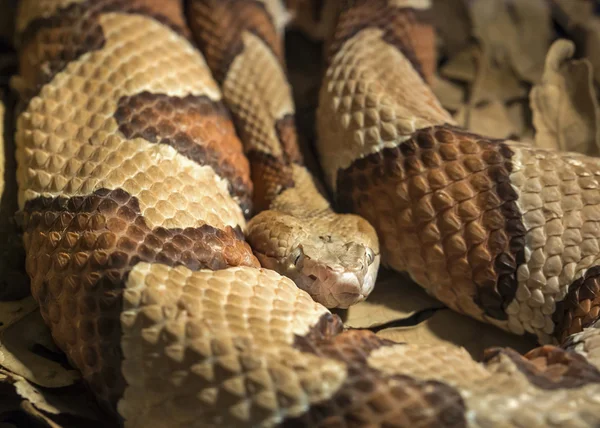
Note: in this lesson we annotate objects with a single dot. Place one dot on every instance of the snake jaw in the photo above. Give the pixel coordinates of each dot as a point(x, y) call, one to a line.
point(335, 275)
point(342, 288)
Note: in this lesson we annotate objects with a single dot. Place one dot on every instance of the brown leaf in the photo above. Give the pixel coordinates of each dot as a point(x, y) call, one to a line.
point(11, 312)
point(514, 32)
point(451, 95)
point(27, 350)
point(490, 119)
point(592, 46)
point(495, 81)
point(463, 65)
point(575, 12)
point(564, 104)
point(452, 329)
point(452, 23)
point(578, 19)
point(520, 117)
point(54, 407)
point(395, 297)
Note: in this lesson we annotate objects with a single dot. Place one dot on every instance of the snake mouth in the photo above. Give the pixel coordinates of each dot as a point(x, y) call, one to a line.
point(331, 286)
point(346, 299)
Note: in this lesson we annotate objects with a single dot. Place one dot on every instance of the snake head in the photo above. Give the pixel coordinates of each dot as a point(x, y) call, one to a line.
point(337, 268)
point(335, 273)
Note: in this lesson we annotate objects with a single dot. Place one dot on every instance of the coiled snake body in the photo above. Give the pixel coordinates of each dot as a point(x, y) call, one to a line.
point(135, 190)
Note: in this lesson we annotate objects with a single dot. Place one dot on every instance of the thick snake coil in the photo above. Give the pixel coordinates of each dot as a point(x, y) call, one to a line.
point(134, 189)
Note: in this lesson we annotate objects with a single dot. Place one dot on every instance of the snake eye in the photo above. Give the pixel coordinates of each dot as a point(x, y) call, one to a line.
point(370, 256)
point(296, 256)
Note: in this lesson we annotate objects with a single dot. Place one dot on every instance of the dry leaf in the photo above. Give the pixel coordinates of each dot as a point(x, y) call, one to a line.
point(452, 329)
point(489, 119)
point(592, 46)
point(577, 18)
point(451, 95)
point(51, 406)
point(11, 312)
point(462, 66)
point(564, 104)
point(30, 393)
point(495, 81)
point(39, 416)
point(394, 298)
point(520, 117)
point(514, 32)
point(22, 345)
point(451, 20)
point(574, 12)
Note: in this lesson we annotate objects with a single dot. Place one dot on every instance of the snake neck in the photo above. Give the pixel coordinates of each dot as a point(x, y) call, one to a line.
point(292, 230)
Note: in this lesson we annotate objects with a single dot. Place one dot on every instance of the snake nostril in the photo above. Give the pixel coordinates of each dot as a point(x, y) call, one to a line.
point(313, 277)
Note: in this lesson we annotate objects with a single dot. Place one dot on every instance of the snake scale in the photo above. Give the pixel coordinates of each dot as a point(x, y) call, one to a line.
point(150, 132)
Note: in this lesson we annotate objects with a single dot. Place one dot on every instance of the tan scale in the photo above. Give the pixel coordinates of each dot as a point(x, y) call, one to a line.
point(333, 257)
point(556, 251)
point(559, 196)
point(257, 70)
point(546, 187)
point(235, 346)
point(372, 98)
point(497, 393)
point(587, 344)
point(301, 216)
point(226, 337)
point(70, 143)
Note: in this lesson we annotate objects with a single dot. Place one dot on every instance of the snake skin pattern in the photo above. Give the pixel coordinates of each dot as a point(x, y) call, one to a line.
point(135, 189)
point(503, 232)
point(335, 258)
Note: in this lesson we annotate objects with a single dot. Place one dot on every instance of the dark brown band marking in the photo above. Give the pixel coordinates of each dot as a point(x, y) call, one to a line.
point(549, 367)
point(270, 176)
point(218, 25)
point(288, 137)
point(581, 306)
point(80, 251)
point(197, 127)
point(118, 213)
point(328, 326)
point(368, 397)
point(449, 198)
point(402, 28)
point(48, 44)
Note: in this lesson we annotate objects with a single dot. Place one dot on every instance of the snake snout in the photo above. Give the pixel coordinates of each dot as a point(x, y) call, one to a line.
point(346, 277)
point(348, 289)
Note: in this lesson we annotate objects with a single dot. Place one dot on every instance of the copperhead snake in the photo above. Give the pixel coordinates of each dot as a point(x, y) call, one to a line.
point(147, 136)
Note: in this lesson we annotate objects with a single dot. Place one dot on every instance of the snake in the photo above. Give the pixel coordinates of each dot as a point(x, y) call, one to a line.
point(186, 260)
